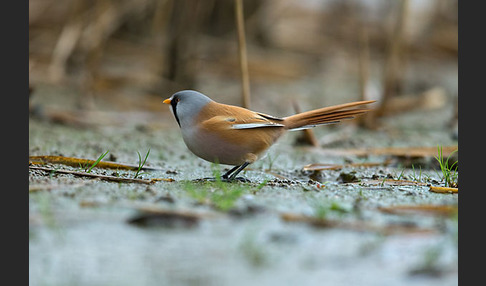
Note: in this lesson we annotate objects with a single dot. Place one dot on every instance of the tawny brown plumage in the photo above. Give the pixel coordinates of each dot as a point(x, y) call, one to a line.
point(237, 136)
point(325, 115)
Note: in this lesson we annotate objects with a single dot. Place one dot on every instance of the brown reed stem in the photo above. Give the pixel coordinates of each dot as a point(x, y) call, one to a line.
point(392, 64)
point(245, 78)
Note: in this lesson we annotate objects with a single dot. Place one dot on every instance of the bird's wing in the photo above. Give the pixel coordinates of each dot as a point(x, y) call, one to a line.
point(270, 117)
point(234, 117)
point(251, 119)
point(233, 122)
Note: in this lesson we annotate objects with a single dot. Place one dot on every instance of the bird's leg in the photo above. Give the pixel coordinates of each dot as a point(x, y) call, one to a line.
point(231, 174)
point(227, 174)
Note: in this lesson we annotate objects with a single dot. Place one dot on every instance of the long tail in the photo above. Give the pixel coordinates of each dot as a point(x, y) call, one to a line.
point(326, 115)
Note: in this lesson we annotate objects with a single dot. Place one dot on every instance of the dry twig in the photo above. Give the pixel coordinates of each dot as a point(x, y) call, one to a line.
point(390, 151)
point(356, 226)
point(76, 162)
point(420, 209)
point(101, 177)
point(320, 167)
point(443, 190)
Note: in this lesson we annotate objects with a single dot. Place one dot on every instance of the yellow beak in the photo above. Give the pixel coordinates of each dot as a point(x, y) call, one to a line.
point(167, 101)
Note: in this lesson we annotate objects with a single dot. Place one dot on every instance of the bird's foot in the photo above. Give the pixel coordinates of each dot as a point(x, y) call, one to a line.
point(241, 179)
point(223, 179)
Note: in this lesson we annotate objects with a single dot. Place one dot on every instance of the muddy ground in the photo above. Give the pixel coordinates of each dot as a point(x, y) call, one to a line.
point(287, 226)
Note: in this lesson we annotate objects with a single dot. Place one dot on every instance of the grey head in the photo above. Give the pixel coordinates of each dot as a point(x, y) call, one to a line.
point(186, 104)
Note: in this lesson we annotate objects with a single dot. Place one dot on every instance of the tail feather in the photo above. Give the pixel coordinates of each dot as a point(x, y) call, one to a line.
point(326, 115)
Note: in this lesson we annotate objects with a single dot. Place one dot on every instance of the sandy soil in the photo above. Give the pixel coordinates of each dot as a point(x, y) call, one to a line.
point(286, 227)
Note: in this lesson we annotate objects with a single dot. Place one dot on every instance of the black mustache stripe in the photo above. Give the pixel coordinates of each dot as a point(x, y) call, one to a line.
point(173, 103)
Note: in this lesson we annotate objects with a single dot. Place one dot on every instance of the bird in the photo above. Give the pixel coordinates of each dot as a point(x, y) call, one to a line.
point(236, 136)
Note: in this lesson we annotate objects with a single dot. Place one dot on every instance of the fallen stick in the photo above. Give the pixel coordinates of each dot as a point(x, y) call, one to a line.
point(420, 209)
point(76, 162)
point(443, 190)
point(389, 151)
point(320, 167)
point(355, 226)
point(101, 177)
point(392, 182)
point(168, 218)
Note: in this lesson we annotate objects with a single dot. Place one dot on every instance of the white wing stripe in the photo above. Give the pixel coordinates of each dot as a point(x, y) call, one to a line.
point(255, 125)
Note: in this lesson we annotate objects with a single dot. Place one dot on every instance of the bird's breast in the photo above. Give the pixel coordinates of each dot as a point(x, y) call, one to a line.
point(230, 146)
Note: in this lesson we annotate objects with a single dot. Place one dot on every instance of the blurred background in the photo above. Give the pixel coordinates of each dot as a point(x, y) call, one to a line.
point(99, 70)
point(127, 56)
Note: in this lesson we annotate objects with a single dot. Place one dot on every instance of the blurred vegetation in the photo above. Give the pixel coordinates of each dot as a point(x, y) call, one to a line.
point(155, 47)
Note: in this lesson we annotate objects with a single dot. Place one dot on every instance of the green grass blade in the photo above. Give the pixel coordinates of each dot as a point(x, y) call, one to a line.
point(97, 161)
point(140, 163)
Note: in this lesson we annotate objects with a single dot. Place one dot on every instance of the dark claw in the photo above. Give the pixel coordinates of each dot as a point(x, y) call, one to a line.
point(241, 179)
point(226, 180)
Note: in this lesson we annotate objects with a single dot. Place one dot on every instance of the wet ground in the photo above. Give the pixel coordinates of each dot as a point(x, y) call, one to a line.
point(287, 226)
